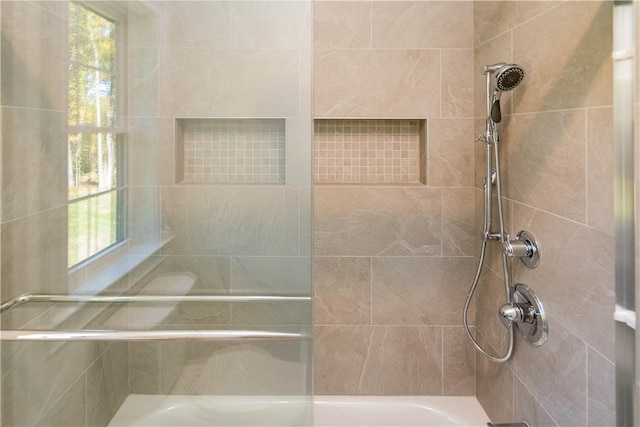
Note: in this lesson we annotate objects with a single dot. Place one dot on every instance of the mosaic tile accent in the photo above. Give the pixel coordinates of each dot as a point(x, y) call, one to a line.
point(232, 150)
point(367, 151)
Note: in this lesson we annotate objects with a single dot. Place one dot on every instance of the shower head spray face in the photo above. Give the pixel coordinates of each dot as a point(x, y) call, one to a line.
point(508, 77)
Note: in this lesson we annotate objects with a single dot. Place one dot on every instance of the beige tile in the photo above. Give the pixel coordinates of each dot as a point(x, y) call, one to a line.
point(489, 296)
point(173, 360)
point(491, 18)
point(581, 297)
point(382, 360)
point(34, 259)
point(107, 384)
point(142, 95)
point(231, 220)
point(419, 290)
point(271, 275)
point(457, 83)
point(373, 221)
point(543, 160)
point(243, 369)
point(144, 224)
point(350, 83)
point(195, 24)
point(34, 57)
point(528, 409)
point(342, 291)
point(70, 408)
point(601, 384)
point(144, 367)
point(600, 169)
point(34, 156)
point(420, 24)
point(458, 222)
point(498, 50)
point(271, 24)
point(342, 24)
point(561, 361)
point(150, 152)
point(450, 152)
point(494, 386)
point(272, 313)
point(573, 74)
point(459, 364)
point(229, 83)
point(36, 374)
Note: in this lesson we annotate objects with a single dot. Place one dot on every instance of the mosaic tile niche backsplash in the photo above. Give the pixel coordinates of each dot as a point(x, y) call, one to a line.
point(380, 151)
point(244, 151)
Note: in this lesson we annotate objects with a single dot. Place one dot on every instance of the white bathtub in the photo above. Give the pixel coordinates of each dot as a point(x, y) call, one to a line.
point(329, 411)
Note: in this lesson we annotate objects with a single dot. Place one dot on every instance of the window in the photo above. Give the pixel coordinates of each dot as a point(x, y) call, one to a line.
point(95, 146)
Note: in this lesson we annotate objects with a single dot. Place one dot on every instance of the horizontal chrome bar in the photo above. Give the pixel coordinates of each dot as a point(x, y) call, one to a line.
point(109, 299)
point(168, 335)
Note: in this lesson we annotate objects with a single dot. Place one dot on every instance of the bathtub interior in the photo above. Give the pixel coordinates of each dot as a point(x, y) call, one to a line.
point(328, 411)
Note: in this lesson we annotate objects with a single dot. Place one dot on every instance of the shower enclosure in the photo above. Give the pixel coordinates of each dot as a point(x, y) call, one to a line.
point(156, 209)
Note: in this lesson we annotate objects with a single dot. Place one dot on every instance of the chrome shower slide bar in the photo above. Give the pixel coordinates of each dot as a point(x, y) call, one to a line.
point(164, 335)
point(109, 299)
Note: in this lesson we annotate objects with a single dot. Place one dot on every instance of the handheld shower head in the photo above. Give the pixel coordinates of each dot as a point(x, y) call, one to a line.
point(508, 77)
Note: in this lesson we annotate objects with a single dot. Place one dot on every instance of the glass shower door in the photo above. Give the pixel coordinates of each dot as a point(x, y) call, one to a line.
point(156, 213)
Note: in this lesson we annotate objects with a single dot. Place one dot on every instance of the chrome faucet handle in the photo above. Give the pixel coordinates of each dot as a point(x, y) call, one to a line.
point(525, 247)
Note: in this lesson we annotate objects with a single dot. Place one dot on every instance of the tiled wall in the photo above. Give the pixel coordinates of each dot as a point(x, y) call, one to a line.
point(230, 233)
point(368, 151)
point(558, 180)
point(393, 263)
point(42, 383)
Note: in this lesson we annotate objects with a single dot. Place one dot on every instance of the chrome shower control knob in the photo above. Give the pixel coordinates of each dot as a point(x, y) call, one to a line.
point(524, 247)
point(512, 313)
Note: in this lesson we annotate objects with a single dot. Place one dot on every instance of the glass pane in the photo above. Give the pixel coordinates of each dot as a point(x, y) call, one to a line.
point(93, 225)
point(92, 97)
point(93, 163)
point(91, 38)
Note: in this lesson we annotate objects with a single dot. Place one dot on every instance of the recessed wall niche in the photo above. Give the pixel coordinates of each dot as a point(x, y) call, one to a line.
point(230, 151)
point(369, 151)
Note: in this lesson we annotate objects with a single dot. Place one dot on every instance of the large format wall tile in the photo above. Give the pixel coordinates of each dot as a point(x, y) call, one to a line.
point(270, 24)
point(492, 18)
point(107, 384)
point(527, 408)
point(378, 360)
point(342, 291)
point(573, 74)
point(377, 221)
point(600, 167)
point(70, 409)
point(581, 298)
point(544, 162)
point(422, 24)
point(377, 83)
point(457, 83)
point(34, 161)
point(271, 275)
point(342, 24)
point(34, 260)
point(420, 291)
point(601, 383)
point(231, 83)
point(231, 221)
point(494, 386)
point(196, 24)
point(459, 230)
point(459, 364)
point(555, 374)
point(450, 152)
point(34, 57)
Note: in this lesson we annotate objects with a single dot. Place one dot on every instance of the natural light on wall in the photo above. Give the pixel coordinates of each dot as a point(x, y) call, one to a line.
point(95, 151)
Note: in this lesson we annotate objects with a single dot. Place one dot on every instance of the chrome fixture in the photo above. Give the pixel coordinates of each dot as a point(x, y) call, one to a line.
point(524, 247)
point(527, 313)
point(521, 308)
point(522, 424)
